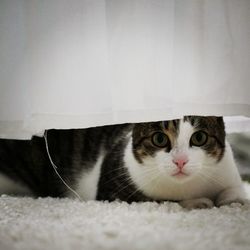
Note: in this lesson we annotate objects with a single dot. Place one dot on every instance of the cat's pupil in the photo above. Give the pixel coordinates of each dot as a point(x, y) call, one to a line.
point(160, 138)
point(199, 137)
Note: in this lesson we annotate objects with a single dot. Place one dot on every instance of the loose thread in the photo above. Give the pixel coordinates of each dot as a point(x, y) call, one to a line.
point(55, 167)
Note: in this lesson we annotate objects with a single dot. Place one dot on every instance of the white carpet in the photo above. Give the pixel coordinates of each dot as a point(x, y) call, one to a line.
point(51, 224)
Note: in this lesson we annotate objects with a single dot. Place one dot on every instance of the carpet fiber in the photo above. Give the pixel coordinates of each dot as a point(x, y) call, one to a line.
point(47, 223)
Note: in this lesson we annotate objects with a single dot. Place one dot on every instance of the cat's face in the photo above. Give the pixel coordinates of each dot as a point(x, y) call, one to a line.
point(179, 149)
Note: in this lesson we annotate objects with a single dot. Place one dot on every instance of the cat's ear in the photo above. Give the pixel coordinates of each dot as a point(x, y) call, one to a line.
point(144, 129)
point(220, 121)
point(219, 118)
point(139, 129)
point(138, 132)
point(214, 121)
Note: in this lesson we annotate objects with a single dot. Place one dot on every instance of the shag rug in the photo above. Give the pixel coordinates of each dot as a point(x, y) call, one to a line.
point(51, 224)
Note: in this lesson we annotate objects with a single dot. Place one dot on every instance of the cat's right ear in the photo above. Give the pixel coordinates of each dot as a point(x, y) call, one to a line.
point(138, 130)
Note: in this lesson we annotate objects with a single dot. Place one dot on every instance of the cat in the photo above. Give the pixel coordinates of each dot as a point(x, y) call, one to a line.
point(185, 160)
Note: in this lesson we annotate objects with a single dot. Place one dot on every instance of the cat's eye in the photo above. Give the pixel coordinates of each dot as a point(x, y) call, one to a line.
point(198, 139)
point(160, 139)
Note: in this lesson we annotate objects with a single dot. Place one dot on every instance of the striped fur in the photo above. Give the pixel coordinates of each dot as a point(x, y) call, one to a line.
point(100, 163)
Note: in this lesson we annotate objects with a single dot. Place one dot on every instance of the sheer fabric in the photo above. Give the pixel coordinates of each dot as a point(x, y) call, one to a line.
point(76, 64)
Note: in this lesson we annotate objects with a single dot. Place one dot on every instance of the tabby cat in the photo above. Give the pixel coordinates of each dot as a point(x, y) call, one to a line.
point(186, 160)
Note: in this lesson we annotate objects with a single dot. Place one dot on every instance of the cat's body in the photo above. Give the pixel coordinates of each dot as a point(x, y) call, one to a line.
point(185, 160)
point(74, 152)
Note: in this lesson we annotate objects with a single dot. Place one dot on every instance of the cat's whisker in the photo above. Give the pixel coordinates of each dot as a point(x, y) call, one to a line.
point(114, 170)
point(208, 179)
point(131, 181)
point(115, 177)
point(144, 185)
point(211, 178)
point(122, 174)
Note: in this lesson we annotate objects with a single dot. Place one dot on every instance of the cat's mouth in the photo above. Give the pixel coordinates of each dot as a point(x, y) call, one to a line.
point(180, 173)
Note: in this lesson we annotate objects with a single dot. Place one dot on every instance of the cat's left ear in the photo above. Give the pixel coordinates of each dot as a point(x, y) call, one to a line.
point(219, 120)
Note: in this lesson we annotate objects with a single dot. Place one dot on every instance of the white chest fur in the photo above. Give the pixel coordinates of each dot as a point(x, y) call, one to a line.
point(88, 182)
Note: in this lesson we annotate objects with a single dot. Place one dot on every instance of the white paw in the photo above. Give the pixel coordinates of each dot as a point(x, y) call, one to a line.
point(228, 201)
point(200, 203)
point(230, 196)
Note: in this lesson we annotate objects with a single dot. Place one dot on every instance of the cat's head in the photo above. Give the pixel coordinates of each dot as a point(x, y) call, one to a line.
point(179, 149)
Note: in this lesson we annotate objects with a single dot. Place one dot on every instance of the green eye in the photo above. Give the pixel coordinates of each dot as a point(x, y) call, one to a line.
point(198, 139)
point(160, 139)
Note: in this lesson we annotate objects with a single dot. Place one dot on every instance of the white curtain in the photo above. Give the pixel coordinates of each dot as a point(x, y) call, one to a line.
point(82, 63)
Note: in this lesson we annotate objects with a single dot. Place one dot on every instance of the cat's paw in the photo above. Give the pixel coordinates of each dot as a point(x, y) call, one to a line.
point(200, 203)
point(229, 202)
point(229, 196)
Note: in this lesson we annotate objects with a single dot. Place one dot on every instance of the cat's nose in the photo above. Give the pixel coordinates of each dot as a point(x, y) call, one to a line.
point(180, 162)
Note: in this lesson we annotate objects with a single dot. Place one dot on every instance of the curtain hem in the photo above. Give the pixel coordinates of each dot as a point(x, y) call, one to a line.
point(37, 123)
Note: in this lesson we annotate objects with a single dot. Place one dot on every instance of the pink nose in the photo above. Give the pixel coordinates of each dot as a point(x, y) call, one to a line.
point(180, 162)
